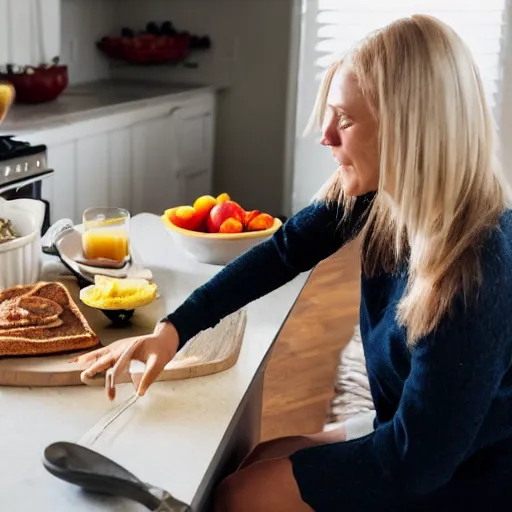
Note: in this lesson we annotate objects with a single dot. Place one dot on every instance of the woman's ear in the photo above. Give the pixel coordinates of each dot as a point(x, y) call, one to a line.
point(7, 95)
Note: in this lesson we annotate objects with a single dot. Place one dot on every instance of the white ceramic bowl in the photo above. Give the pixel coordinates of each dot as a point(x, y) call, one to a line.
point(20, 259)
point(217, 248)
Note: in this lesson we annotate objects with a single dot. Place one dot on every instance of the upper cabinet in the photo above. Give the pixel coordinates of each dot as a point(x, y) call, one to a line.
point(30, 32)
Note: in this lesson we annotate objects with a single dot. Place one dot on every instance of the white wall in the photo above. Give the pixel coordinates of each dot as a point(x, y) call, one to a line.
point(250, 59)
point(505, 121)
point(83, 23)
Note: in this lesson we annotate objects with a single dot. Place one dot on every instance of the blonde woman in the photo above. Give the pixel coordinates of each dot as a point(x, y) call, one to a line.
point(406, 118)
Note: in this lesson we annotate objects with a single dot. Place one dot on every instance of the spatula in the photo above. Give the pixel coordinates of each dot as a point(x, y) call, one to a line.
point(92, 471)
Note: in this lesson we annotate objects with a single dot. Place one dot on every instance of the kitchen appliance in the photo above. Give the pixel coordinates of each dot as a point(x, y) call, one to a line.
point(22, 169)
point(92, 471)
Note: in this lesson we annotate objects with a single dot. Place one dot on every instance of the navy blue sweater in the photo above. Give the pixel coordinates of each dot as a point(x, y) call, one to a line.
point(444, 408)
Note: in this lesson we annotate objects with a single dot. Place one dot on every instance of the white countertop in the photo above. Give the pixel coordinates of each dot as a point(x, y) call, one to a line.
point(169, 437)
point(92, 100)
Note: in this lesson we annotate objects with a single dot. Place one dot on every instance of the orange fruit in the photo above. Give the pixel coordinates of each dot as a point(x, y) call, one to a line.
point(185, 217)
point(231, 226)
point(203, 205)
point(260, 223)
point(223, 198)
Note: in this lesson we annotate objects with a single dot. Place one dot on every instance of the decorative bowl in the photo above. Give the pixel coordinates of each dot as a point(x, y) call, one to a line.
point(20, 259)
point(217, 248)
point(40, 85)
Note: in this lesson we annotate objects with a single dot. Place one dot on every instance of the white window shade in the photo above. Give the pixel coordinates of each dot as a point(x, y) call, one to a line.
point(480, 23)
point(331, 27)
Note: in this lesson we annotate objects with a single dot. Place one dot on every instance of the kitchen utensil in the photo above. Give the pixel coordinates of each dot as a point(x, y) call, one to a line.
point(93, 434)
point(90, 437)
point(217, 248)
point(20, 259)
point(92, 471)
point(54, 233)
point(212, 351)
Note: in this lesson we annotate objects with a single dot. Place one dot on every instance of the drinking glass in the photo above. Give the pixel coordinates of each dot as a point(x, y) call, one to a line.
point(106, 234)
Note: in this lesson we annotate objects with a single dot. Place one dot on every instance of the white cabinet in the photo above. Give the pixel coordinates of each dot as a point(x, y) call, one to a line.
point(92, 172)
point(61, 188)
point(120, 168)
point(155, 185)
point(194, 152)
point(145, 161)
point(173, 156)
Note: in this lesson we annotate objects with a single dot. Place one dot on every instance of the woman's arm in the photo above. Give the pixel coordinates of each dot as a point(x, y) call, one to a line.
point(305, 239)
point(455, 375)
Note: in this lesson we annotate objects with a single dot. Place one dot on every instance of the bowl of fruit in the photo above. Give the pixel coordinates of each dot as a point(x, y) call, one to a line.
point(218, 230)
point(37, 84)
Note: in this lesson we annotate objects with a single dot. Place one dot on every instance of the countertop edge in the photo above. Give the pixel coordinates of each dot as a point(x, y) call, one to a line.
point(51, 122)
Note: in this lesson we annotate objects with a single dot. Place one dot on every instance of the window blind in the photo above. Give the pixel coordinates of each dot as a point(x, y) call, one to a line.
point(480, 23)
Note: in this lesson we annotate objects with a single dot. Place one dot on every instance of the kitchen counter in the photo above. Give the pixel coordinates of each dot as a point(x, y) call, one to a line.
point(88, 101)
point(183, 436)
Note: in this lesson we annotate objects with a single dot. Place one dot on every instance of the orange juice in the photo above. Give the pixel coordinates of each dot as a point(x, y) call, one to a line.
point(107, 233)
point(112, 244)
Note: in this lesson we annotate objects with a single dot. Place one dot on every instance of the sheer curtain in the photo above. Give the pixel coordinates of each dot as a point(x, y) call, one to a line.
point(331, 27)
point(30, 31)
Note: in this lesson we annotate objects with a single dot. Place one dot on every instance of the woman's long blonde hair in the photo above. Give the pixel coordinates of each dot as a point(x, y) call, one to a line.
point(441, 188)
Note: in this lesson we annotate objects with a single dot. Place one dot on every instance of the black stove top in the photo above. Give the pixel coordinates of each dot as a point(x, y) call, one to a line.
point(10, 149)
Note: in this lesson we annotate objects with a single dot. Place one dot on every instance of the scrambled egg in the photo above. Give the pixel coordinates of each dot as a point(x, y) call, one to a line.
point(112, 294)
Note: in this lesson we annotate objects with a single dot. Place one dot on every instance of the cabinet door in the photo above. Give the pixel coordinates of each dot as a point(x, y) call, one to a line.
point(194, 137)
point(92, 168)
point(60, 188)
point(154, 176)
point(120, 168)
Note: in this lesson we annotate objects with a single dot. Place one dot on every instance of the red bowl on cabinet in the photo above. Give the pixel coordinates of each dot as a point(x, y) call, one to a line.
point(146, 48)
point(40, 85)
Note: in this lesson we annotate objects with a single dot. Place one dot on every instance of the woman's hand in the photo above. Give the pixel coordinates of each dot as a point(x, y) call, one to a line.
point(155, 350)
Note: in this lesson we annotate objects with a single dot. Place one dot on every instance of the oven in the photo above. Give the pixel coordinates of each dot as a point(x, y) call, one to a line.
point(22, 170)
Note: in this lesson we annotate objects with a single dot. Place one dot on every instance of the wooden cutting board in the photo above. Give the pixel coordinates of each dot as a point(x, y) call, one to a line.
point(212, 351)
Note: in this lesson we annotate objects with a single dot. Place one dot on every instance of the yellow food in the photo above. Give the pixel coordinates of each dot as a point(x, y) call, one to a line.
point(109, 293)
point(6, 98)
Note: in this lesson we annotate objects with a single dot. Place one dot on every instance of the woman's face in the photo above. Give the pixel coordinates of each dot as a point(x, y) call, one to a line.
point(351, 130)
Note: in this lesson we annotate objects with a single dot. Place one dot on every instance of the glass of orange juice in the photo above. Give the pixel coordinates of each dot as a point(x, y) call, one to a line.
point(106, 234)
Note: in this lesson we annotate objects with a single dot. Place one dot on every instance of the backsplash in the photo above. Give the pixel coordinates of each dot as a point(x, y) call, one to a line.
point(83, 23)
point(249, 61)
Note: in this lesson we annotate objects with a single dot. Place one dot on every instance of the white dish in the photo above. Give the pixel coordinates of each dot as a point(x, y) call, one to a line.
point(69, 246)
point(217, 249)
point(20, 259)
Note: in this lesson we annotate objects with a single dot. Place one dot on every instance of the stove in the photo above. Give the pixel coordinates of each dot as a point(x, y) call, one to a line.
point(22, 169)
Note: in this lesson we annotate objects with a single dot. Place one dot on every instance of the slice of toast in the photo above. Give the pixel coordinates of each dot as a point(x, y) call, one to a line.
point(66, 333)
point(29, 311)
